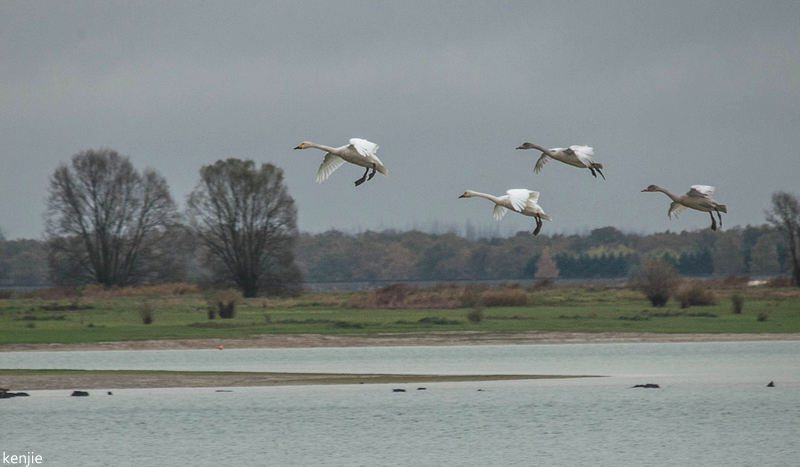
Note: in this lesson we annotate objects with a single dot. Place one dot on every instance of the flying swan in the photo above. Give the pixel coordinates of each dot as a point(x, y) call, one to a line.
point(698, 197)
point(518, 200)
point(578, 156)
point(359, 152)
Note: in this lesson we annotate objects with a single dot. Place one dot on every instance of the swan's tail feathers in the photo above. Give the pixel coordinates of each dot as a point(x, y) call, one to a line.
point(722, 208)
point(382, 169)
point(545, 217)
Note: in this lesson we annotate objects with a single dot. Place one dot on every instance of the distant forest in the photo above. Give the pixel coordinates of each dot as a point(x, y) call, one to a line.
point(418, 256)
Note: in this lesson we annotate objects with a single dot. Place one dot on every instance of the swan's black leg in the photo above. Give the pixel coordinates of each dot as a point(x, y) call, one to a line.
point(363, 178)
point(372, 174)
point(593, 173)
point(713, 221)
point(601, 173)
point(538, 225)
point(720, 218)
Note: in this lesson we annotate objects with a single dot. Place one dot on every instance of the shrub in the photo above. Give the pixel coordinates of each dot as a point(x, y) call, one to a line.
point(475, 315)
point(504, 297)
point(223, 302)
point(762, 316)
point(656, 280)
point(694, 293)
point(146, 312)
point(737, 302)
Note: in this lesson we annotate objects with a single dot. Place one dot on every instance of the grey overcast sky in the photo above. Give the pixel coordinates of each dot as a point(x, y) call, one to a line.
point(667, 92)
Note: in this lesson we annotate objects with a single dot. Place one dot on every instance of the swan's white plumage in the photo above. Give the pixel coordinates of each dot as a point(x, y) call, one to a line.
point(541, 162)
point(675, 209)
point(520, 197)
point(330, 163)
point(520, 200)
point(366, 148)
point(698, 197)
point(701, 191)
point(498, 212)
point(583, 153)
point(359, 152)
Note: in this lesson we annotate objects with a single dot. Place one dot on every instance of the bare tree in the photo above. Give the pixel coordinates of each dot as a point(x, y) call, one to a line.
point(785, 216)
point(104, 219)
point(248, 222)
point(546, 268)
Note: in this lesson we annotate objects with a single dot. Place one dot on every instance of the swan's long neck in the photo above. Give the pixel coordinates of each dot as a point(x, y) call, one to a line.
point(672, 195)
point(322, 147)
point(491, 198)
point(541, 148)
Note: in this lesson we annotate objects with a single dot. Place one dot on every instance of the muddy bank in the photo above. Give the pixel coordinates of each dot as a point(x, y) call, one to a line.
point(394, 339)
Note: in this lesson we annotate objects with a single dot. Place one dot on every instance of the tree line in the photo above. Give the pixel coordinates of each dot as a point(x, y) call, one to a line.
point(108, 223)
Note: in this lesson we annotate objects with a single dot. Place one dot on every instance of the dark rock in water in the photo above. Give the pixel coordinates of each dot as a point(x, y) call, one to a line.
point(647, 386)
point(4, 394)
point(421, 389)
point(79, 394)
point(110, 393)
point(223, 390)
point(398, 390)
point(771, 384)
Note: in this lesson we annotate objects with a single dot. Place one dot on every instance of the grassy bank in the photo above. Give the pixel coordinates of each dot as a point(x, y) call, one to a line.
point(181, 312)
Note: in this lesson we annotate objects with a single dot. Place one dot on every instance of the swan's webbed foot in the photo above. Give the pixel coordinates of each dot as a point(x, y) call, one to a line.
point(363, 178)
point(538, 226)
point(372, 174)
point(593, 172)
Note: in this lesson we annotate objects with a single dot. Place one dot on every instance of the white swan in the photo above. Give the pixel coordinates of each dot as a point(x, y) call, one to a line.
point(359, 152)
point(698, 197)
point(578, 156)
point(518, 200)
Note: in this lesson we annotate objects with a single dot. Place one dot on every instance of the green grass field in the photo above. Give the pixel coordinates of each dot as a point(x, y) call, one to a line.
point(181, 313)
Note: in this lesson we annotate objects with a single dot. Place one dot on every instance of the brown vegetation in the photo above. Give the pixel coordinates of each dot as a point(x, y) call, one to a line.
point(779, 282)
point(505, 296)
point(441, 296)
point(694, 293)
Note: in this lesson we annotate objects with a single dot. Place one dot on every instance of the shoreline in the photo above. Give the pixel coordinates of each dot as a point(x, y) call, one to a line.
point(435, 338)
point(37, 380)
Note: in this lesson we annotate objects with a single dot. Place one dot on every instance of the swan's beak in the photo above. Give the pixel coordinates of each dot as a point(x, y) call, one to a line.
point(520, 147)
point(463, 196)
point(299, 146)
point(644, 190)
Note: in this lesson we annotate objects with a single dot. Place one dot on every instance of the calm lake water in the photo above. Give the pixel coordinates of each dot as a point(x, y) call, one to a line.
point(713, 408)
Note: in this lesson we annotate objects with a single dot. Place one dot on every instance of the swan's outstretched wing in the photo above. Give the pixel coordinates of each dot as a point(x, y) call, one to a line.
point(583, 153)
point(498, 212)
point(366, 148)
point(519, 198)
point(330, 163)
point(675, 209)
point(700, 191)
point(541, 162)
